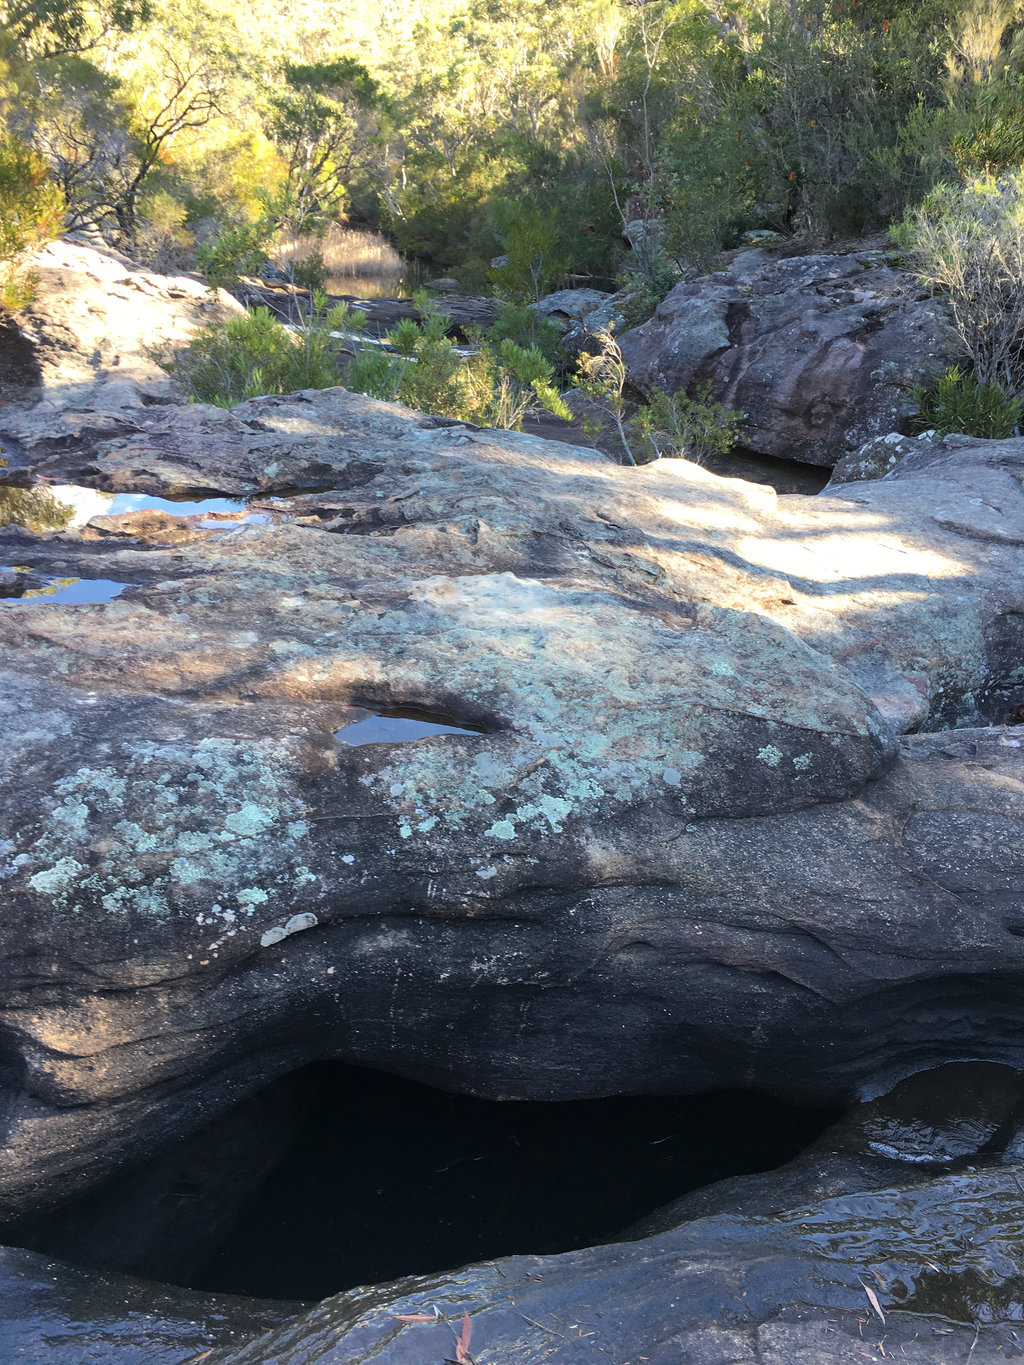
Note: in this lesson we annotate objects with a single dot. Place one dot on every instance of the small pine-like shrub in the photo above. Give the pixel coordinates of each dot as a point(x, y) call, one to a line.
point(255, 355)
point(238, 249)
point(684, 427)
point(666, 426)
point(311, 271)
point(958, 403)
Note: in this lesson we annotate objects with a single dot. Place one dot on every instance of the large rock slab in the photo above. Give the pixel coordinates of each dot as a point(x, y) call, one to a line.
point(820, 351)
point(927, 1273)
point(679, 846)
point(79, 363)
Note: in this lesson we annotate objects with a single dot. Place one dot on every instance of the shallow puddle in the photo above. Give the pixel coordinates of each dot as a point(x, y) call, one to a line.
point(399, 725)
point(70, 592)
point(75, 506)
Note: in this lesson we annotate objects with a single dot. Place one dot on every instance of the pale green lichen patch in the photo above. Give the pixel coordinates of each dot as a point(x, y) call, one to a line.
point(605, 712)
point(174, 827)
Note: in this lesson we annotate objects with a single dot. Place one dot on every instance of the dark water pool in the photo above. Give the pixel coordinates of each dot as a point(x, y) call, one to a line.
point(338, 1176)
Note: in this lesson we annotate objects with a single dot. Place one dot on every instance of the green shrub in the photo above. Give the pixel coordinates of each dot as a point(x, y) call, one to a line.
point(254, 355)
point(31, 213)
point(667, 425)
point(238, 249)
point(958, 403)
point(522, 324)
point(311, 271)
point(684, 427)
point(495, 386)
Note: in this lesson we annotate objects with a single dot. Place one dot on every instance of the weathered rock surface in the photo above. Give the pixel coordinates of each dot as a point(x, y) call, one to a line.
point(756, 1270)
point(679, 849)
point(78, 366)
point(57, 1314)
point(926, 1273)
point(819, 351)
point(686, 839)
point(571, 304)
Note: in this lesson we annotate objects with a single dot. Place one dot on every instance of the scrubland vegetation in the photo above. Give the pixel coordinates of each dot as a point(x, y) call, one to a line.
point(544, 134)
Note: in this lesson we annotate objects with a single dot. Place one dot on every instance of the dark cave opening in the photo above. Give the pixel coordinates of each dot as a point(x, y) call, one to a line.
point(338, 1176)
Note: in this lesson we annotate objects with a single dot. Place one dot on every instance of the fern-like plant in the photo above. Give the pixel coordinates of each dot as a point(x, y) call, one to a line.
point(959, 403)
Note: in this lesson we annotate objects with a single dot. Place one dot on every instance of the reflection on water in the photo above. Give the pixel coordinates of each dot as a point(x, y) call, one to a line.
point(36, 509)
point(69, 592)
point(394, 285)
point(145, 502)
point(59, 507)
point(399, 725)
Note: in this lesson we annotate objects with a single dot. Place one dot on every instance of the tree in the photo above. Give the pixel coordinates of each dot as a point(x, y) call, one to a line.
point(321, 123)
point(50, 28)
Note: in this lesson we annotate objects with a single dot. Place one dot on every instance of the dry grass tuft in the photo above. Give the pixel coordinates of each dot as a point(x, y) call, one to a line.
point(348, 251)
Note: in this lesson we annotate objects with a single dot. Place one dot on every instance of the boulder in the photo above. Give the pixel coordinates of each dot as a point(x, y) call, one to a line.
point(571, 304)
point(83, 349)
point(678, 843)
point(820, 352)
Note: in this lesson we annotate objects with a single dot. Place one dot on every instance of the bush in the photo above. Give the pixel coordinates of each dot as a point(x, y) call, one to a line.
point(31, 214)
point(311, 271)
point(958, 403)
point(495, 386)
point(689, 428)
point(667, 425)
point(238, 249)
point(968, 241)
point(254, 355)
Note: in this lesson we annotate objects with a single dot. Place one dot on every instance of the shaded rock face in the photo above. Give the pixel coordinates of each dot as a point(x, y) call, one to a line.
point(840, 1256)
point(56, 1314)
point(819, 352)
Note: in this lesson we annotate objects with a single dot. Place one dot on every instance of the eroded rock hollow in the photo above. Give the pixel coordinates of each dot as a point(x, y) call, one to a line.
point(716, 789)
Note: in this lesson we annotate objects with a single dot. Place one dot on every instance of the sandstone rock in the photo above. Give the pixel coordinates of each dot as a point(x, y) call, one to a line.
point(679, 820)
point(929, 1270)
point(571, 303)
point(819, 351)
point(86, 368)
point(877, 457)
point(55, 1314)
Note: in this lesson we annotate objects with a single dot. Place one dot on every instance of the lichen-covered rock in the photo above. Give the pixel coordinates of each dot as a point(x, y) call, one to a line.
point(819, 351)
point(674, 847)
